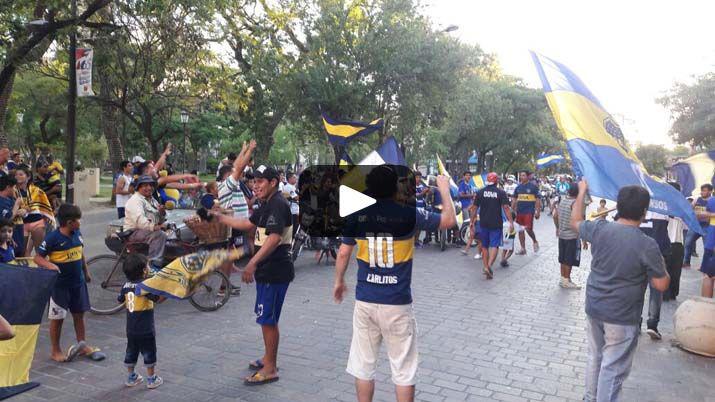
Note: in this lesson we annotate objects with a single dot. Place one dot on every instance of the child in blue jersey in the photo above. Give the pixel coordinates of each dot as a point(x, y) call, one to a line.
point(141, 336)
point(62, 250)
point(7, 252)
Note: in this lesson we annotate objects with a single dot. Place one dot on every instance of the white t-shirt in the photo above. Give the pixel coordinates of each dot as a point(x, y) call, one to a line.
point(121, 199)
point(289, 191)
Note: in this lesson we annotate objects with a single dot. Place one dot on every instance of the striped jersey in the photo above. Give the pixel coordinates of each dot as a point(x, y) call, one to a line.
point(66, 253)
point(385, 261)
point(230, 196)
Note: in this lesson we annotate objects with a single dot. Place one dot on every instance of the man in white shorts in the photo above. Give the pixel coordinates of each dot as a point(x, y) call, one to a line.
point(383, 307)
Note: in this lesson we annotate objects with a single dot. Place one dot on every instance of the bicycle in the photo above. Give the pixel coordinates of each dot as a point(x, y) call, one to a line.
point(107, 278)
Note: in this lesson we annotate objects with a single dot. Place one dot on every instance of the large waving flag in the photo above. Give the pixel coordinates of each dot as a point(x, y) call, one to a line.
point(341, 132)
point(693, 172)
point(387, 153)
point(545, 160)
point(598, 149)
point(24, 293)
point(345, 160)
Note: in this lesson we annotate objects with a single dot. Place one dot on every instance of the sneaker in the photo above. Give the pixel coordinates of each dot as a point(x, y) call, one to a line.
point(463, 251)
point(133, 379)
point(567, 284)
point(477, 256)
point(504, 264)
point(654, 334)
point(154, 381)
point(235, 290)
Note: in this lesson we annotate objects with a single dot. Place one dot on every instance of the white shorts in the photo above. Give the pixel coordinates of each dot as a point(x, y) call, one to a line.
point(396, 326)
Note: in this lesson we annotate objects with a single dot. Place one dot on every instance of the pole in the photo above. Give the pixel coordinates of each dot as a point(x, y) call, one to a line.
point(183, 152)
point(72, 109)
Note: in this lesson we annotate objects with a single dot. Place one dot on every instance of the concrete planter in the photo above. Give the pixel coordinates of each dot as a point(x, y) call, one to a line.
point(694, 324)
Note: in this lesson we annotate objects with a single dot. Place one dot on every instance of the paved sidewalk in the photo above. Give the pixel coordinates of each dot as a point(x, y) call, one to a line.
point(516, 338)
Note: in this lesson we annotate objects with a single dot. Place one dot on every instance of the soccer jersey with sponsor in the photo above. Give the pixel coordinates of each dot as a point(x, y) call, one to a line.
point(274, 217)
point(385, 262)
point(65, 252)
point(491, 201)
point(526, 196)
point(140, 309)
point(47, 183)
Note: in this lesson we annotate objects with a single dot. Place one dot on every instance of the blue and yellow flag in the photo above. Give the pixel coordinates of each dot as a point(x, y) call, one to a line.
point(693, 172)
point(598, 149)
point(24, 293)
point(341, 132)
point(345, 160)
point(179, 279)
point(545, 160)
point(479, 181)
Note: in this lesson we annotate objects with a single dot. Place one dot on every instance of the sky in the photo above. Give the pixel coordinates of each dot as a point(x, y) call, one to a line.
point(628, 52)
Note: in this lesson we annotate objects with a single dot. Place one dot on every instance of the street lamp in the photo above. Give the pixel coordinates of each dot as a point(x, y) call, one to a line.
point(184, 120)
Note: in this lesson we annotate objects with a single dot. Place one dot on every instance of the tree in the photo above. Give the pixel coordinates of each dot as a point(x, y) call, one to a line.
point(503, 117)
point(24, 42)
point(654, 158)
point(693, 111)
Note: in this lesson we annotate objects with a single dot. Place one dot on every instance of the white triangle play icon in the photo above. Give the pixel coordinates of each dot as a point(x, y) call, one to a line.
point(352, 201)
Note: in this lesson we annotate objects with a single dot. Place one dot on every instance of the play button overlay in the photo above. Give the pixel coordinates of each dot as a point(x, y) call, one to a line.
point(357, 201)
point(352, 201)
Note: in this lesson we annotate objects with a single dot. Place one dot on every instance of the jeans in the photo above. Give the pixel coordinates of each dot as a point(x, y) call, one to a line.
point(655, 301)
point(611, 348)
point(144, 344)
point(690, 239)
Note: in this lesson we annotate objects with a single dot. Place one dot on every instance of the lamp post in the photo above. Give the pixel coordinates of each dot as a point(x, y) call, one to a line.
point(72, 109)
point(184, 120)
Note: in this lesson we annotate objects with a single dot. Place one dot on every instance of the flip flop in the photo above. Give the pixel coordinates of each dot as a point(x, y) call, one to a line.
point(74, 351)
point(259, 379)
point(536, 247)
point(95, 354)
point(255, 365)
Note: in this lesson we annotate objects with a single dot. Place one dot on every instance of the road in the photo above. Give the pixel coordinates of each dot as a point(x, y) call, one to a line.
point(516, 338)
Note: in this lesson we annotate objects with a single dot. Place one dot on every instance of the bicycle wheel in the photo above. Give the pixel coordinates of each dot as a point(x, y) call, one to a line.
point(107, 282)
point(464, 233)
point(442, 240)
point(212, 293)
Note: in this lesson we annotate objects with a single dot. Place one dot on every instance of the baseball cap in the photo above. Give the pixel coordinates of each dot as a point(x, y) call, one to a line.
point(138, 159)
point(265, 172)
point(492, 178)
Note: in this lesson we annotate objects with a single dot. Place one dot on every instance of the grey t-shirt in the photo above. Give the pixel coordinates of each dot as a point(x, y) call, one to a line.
point(566, 232)
point(623, 260)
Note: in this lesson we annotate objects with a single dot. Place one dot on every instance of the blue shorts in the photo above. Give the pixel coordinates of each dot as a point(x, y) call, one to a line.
point(269, 302)
point(491, 238)
point(73, 299)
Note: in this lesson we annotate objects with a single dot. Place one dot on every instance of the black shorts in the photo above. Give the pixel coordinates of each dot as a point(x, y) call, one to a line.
point(570, 252)
point(144, 344)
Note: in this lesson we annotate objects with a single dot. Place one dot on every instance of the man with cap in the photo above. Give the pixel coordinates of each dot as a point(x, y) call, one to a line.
point(493, 203)
point(270, 266)
point(144, 216)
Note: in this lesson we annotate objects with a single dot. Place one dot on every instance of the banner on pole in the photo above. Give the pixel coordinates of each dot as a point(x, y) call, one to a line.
point(84, 72)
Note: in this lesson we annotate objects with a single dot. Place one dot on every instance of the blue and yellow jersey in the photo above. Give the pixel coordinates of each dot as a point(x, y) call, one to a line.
point(526, 196)
point(140, 309)
point(66, 253)
point(385, 262)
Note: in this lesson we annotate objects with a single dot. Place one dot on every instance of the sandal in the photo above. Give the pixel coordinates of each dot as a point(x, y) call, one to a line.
point(74, 351)
point(259, 379)
point(95, 354)
point(255, 365)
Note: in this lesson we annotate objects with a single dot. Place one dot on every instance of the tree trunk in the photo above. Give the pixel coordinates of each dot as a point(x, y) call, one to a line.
point(5, 92)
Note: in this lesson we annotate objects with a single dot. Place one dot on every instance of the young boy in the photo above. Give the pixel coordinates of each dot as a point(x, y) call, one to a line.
point(7, 252)
point(62, 250)
point(507, 247)
point(141, 336)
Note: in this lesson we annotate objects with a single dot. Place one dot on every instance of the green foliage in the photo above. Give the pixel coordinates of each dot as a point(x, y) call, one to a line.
point(654, 158)
point(693, 110)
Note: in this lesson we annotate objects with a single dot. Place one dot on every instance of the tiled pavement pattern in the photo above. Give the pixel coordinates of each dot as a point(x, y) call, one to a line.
point(516, 338)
